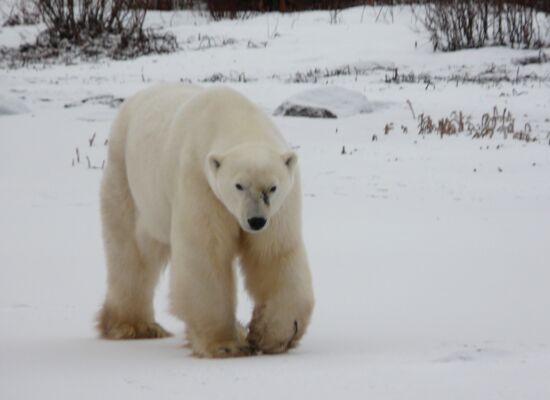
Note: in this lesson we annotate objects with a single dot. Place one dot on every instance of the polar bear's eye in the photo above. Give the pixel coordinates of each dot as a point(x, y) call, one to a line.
point(273, 188)
point(239, 186)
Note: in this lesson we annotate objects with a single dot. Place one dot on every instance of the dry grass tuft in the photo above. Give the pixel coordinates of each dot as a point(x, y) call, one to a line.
point(491, 124)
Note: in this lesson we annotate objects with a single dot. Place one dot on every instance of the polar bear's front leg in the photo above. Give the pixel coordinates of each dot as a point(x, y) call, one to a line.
point(203, 295)
point(282, 290)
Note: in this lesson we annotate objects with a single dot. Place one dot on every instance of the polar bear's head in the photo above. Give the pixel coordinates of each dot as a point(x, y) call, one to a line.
point(252, 181)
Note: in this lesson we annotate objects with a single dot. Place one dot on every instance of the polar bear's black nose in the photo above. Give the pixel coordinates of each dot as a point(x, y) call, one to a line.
point(256, 223)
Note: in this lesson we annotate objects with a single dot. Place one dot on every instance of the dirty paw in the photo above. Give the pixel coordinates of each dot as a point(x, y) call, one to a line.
point(273, 335)
point(223, 350)
point(138, 330)
point(235, 346)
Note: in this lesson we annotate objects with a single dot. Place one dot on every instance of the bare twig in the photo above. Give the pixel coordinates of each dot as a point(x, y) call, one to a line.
point(411, 108)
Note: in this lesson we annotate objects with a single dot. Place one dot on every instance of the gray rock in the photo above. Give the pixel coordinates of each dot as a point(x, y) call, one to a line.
point(325, 102)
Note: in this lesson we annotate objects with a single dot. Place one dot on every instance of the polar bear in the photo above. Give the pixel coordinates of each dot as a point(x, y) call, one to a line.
point(200, 178)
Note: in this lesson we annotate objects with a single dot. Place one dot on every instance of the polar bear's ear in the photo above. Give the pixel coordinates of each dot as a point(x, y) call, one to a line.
point(290, 159)
point(214, 162)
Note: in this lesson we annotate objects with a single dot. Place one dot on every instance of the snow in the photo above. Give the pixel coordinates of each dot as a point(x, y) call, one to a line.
point(429, 255)
point(11, 105)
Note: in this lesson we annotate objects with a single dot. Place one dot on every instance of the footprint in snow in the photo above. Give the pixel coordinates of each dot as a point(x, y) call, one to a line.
point(473, 354)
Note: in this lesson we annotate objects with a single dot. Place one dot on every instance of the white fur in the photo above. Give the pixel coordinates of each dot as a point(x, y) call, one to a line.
point(176, 155)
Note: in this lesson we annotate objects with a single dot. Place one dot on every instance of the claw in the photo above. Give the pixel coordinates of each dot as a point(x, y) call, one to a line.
point(289, 344)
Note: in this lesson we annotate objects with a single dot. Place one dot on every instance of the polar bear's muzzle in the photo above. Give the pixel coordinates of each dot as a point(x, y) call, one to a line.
point(255, 214)
point(256, 223)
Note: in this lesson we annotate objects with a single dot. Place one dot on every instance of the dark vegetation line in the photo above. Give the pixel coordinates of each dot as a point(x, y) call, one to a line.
point(84, 29)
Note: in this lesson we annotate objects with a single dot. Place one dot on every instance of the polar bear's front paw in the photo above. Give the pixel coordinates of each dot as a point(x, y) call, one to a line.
point(224, 349)
point(275, 331)
point(237, 347)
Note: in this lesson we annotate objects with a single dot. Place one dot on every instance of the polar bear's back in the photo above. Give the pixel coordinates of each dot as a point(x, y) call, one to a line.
point(146, 114)
point(194, 120)
point(220, 118)
point(138, 147)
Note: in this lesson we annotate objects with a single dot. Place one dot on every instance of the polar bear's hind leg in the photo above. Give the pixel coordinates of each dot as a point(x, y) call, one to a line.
point(134, 263)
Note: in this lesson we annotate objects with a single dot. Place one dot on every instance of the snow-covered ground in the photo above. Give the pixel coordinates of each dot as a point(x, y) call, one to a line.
point(430, 256)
